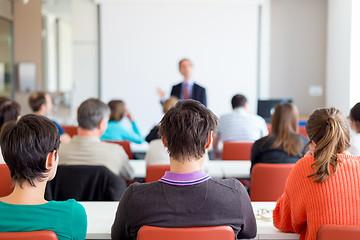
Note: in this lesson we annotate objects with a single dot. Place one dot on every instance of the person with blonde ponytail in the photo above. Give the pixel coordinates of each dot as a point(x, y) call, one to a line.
point(323, 187)
point(284, 144)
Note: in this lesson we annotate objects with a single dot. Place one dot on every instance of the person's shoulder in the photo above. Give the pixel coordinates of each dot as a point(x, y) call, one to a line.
point(177, 85)
point(198, 86)
point(141, 188)
point(71, 205)
point(229, 184)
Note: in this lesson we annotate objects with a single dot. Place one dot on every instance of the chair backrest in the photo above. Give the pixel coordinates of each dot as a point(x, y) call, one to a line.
point(85, 183)
point(6, 186)
point(268, 180)
point(237, 150)
point(38, 235)
point(188, 233)
point(335, 232)
point(126, 145)
point(155, 172)
point(302, 131)
point(71, 130)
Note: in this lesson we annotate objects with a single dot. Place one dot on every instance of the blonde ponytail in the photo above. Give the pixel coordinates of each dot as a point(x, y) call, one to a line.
point(328, 129)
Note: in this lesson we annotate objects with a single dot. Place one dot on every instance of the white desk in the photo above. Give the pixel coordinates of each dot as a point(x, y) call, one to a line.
point(101, 216)
point(215, 168)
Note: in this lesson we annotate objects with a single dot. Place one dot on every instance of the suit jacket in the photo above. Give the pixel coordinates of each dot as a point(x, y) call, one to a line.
point(198, 92)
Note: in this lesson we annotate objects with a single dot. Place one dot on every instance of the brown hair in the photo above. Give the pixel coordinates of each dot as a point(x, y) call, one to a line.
point(186, 129)
point(117, 108)
point(169, 103)
point(36, 100)
point(285, 128)
point(355, 116)
point(329, 130)
point(9, 111)
point(184, 59)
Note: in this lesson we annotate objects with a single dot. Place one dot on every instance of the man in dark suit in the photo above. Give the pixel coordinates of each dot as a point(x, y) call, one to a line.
point(187, 89)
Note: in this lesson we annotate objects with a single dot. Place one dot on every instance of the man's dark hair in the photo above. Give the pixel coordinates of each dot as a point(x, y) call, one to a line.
point(187, 128)
point(238, 100)
point(9, 111)
point(25, 145)
point(36, 100)
point(91, 112)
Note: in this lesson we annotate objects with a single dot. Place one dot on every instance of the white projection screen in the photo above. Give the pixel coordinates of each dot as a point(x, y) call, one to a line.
point(141, 44)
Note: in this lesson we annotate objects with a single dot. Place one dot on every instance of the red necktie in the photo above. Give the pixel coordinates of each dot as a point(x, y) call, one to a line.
point(186, 92)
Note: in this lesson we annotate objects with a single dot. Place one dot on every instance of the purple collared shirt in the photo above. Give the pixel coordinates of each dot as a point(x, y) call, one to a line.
point(184, 179)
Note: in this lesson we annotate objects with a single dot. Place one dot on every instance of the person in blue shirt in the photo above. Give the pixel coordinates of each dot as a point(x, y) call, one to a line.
point(116, 131)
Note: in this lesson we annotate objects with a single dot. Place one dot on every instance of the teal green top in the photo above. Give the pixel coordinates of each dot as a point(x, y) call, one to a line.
point(116, 131)
point(66, 218)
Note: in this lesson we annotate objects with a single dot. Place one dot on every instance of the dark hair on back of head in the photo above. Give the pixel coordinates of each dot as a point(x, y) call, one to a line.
point(329, 130)
point(37, 99)
point(238, 100)
point(25, 145)
point(4, 99)
point(186, 129)
point(355, 116)
point(9, 111)
point(117, 110)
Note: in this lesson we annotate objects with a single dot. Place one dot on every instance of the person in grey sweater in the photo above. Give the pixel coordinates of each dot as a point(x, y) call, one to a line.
point(185, 196)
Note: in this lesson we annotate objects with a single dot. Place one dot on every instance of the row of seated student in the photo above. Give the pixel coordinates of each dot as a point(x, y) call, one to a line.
point(321, 189)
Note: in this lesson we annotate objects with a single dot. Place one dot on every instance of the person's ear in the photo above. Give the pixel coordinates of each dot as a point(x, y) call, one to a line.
point(312, 145)
point(103, 124)
point(50, 160)
point(210, 140)
point(163, 140)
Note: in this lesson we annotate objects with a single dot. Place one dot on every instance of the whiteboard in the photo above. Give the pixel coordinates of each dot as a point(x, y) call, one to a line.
point(141, 45)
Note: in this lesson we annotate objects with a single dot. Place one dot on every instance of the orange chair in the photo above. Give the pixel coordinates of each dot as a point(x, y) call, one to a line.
point(38, 235)
point(189, 233)
point(126, 145)
point(6, 186)
point(302, 131)
point(268, 180)
point(237, 150)
point(335, 232)
point(155, 172)
point(71, 130)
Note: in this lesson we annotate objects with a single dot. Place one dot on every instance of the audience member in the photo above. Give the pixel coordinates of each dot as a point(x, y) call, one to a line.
point(284, 144)
point(86, 148)
point(9, 111)
point(323, 187)
point(29, 147)
point(240, 125)
point(185, 196)
point(116, 131)
point(41, 104)
point(187, 89)
point(355, 127)
point(154, 133)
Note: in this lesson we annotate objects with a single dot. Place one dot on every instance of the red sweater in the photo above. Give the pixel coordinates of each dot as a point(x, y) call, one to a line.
point(306, 205)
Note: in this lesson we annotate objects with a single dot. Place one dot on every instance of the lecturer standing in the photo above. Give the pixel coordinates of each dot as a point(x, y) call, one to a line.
point(187, 89)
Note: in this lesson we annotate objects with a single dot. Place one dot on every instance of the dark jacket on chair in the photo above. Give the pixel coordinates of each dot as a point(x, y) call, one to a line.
point(85, 183)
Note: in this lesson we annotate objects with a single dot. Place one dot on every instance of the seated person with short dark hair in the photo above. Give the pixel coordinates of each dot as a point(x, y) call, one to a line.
point(185, 196)
point(29, 147)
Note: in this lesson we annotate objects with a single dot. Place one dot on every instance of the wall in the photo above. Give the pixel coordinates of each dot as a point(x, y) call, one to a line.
point(5, 9)
point(85, 51)
point(298, 51)
point(27, 35)
point(338, 55)
point(355, 54)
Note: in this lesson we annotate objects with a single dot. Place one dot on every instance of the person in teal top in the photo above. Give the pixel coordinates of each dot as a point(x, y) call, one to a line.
point(29, 148)
point(116, 131)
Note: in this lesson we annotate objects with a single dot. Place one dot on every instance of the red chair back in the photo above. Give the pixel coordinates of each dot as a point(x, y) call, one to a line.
point(155, 172)
point(71, 130)
point(268, 180)
point(335, 232)
point(126, 145)
point(237, 150)
point(302, 131)
point(6, 186)
point(38, 235)
point(189, 233)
